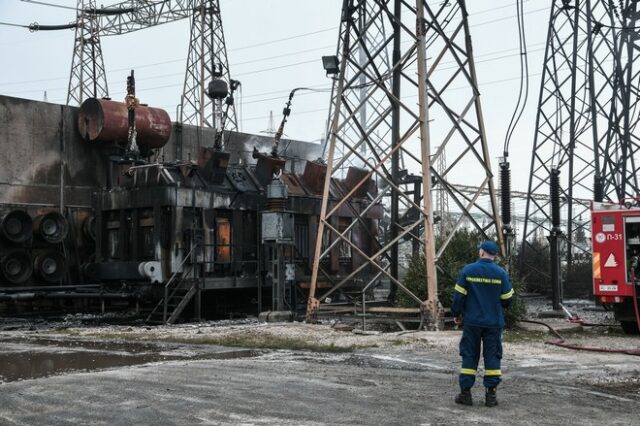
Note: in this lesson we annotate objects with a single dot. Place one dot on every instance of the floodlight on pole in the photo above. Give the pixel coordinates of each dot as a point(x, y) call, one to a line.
point(331, 65)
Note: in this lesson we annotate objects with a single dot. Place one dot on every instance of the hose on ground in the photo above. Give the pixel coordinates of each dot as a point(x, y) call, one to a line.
point(561, 342)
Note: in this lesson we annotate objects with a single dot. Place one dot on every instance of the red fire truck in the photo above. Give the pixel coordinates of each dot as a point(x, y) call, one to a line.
point(615, 234)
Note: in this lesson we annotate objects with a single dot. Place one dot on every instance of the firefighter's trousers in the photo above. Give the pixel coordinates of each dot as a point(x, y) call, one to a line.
point(491, 340)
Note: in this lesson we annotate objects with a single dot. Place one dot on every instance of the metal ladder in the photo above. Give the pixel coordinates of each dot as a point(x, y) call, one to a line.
point(178, 292)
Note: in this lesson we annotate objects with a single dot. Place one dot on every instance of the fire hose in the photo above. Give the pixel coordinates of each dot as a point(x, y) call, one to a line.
point(561, 341)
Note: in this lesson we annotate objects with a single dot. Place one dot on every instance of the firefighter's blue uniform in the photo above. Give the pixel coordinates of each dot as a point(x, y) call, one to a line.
point(482, 291)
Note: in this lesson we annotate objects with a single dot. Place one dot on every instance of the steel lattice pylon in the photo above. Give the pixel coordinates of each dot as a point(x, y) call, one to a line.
point(207, 53)
point(87, 78)
point(397, 131)
point(207, 58)
point(587, 110)
point(375, 39)
point(619, 167)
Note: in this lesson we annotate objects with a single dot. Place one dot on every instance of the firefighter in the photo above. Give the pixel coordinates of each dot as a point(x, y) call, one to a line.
point(482, 291)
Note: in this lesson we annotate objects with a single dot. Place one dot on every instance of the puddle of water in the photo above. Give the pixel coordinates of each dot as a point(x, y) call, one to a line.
point(32, 364)
point(30, 360)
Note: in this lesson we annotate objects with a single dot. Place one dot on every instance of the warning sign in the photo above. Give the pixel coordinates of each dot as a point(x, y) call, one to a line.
point(611, 262)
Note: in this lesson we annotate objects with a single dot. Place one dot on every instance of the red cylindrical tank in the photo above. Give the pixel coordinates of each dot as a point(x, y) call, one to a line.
point(101, 120)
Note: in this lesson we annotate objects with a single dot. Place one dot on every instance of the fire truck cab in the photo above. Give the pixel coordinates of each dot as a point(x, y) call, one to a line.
point(615, 233)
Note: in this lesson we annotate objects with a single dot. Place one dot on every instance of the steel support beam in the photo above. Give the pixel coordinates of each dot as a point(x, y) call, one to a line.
point(87, 78)
point(587, 113)
point(397, 132)
point(207, 53)
point(207, 59)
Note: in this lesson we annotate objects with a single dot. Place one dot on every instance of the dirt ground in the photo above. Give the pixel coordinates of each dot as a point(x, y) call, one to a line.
point(251, 373)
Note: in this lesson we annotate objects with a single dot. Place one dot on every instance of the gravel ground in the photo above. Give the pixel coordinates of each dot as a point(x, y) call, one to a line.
point(319, 374)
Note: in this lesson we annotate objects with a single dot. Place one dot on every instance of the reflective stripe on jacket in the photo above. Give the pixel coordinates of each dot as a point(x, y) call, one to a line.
point(482, 290)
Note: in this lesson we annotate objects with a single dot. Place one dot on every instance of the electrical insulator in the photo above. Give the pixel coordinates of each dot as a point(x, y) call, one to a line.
point(598, 189)
point(554, 185)
point(505, 192)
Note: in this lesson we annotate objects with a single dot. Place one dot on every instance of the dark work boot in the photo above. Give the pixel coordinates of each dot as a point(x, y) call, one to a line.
point(464, 397)
point(490, 398)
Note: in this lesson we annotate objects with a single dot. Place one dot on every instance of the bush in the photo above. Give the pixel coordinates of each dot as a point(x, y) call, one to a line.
point(517, 310)
point(462, 250)
point(415, 281)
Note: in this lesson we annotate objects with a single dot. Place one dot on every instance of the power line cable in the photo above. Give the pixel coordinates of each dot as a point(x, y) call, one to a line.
point(128, 68)
point(480, 12)
point(489, 83)
point(48, 4)
point(279, 40)
point(9, 24)
point(256, 45)
point(283, 39)
point(248, 73)
point(544, 9)
point(523, 91)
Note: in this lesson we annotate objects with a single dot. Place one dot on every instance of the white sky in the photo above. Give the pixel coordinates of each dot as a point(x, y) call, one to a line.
point(273, 47)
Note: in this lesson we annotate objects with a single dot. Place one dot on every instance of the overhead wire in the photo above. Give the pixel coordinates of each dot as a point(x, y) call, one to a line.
point(139, 66)
point(244, 47)
point(488, 83)
point(9, 24)
point(248, 73)
point(295, 64)
point(523, 91)
point(42, 3)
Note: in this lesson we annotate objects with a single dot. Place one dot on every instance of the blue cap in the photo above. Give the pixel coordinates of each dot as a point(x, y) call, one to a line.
point(489, 247)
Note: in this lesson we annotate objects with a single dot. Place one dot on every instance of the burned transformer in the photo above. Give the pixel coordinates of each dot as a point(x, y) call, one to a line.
point(168, 219)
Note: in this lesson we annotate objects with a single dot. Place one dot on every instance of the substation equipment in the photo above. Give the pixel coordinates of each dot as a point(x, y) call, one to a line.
point(168, 235)
point(327, 235)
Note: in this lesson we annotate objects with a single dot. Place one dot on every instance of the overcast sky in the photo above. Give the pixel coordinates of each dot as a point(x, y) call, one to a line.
point(273, 46)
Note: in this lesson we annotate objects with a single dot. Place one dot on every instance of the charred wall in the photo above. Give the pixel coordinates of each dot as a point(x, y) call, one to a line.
point(42, 156)
point(47, 168)
point(186, 140)
point(43, 152)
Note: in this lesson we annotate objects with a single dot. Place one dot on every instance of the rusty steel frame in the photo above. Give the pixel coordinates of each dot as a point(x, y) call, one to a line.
point(396, 132)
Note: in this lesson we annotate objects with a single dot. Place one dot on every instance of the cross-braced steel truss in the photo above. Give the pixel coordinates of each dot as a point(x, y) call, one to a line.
point(587, 110)
point(619, 165)
point(376, 40)
point(87, 78)
point(207, 60)
point(400, 102)
point(207, 53)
